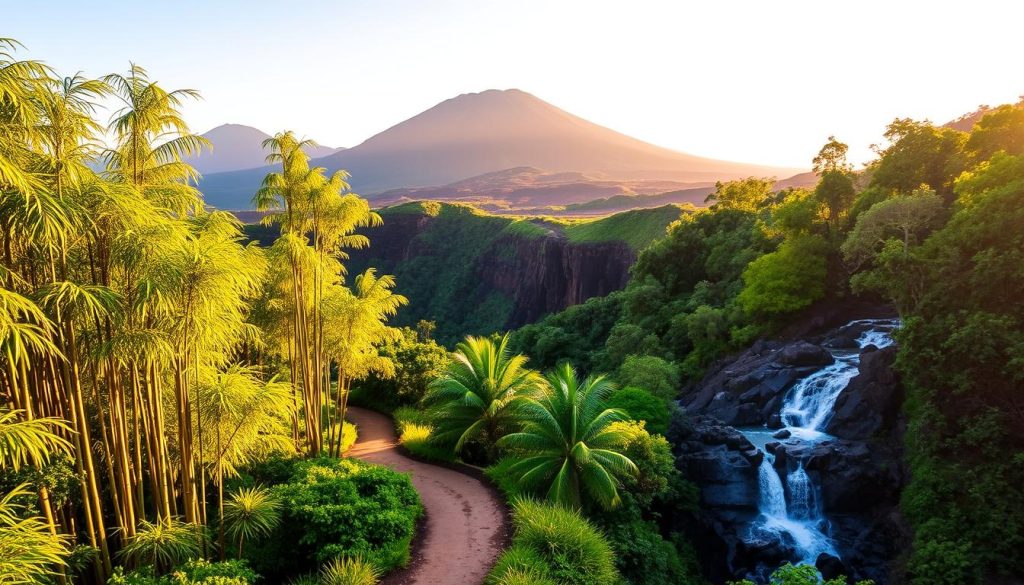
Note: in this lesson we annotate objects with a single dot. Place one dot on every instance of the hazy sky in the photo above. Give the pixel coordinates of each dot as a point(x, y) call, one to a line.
point(759, 81)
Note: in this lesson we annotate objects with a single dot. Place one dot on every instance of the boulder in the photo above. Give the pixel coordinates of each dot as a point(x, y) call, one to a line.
point(872, 401)
point(803, 353)
point(782, 434)
point(830, 566)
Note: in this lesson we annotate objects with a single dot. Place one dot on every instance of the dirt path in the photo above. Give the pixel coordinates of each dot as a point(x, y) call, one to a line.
point(465, 526)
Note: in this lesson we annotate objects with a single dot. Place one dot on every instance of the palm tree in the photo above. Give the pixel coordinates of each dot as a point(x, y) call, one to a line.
point(251, 513)
point(568, 442)
point(476, 397)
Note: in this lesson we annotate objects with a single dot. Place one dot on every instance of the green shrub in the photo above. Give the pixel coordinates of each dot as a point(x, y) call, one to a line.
point(657, 376)
point(417, 359)
point(572, 551)
point(332, 508)
point(641, 405)
point(799, 575)
point(518, 559)
point(195, 572)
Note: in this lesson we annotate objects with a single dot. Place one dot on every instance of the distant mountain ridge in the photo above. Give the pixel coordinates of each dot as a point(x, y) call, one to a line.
point(479, 133)
point(238, 147)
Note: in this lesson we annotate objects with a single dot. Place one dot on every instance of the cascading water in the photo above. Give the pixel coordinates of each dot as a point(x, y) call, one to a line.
point(790, 508)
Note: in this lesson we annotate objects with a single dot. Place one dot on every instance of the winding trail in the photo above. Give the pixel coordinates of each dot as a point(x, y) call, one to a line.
point(465, 526)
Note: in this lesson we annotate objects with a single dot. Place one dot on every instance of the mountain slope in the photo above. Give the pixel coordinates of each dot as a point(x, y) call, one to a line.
point(237, 147)
point(479, 133)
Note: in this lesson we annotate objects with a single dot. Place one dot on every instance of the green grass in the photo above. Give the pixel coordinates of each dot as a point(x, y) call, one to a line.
point(553, 544)
point(525, 228)
point(414, 433)
point(638, 228)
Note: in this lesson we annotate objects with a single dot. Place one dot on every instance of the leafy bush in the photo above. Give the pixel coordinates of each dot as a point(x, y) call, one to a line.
point(417, 359)
point(799, 575)
point(641, 405)
point(643, 556)
point(332, 508)
point(786, 280)
point(195, 572)
point(657, 376)
point(554, 544)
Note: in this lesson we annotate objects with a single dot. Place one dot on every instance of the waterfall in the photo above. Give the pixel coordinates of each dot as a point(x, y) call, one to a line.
point(773, 494)
point(805, 412)
point(802, 495)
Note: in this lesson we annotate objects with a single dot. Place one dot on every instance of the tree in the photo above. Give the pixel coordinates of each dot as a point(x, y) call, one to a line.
point(417, 360)
point(745, 195)
point(1000, 129)
point(909, 218)
point(568, 444)
point(654, 374)
point(800, 575)
point(961, 344)
point(357, 327)
point(476, 398)
point(248, 420)
point(786, 280)
point(832, 158)
point(918, 154)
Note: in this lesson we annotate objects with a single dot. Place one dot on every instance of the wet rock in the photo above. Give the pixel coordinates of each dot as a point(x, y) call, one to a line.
point(872, 401)
point(830, 566)
point(803, 353)
point(774, 422)
point(722, 462)
point(782, 434)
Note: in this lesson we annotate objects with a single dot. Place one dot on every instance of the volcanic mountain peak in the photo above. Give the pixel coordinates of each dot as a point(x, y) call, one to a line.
point(238, 147)
point(479, 133)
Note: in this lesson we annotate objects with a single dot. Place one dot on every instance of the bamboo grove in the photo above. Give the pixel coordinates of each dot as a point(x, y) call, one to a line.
point(140, 335)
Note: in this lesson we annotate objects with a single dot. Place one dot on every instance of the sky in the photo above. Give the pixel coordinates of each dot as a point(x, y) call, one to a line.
point(760, 81)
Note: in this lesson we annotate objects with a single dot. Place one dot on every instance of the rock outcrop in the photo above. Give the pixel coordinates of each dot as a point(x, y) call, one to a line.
point(871, 402)
point(547, 274)
point(747, 390)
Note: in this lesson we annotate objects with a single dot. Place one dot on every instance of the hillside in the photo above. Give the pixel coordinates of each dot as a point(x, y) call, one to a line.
point(478, 133)
point(237, 147)
point(475, 273)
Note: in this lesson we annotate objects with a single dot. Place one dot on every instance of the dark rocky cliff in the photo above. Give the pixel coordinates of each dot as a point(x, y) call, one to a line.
point(547, 274)
point(472, 275)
